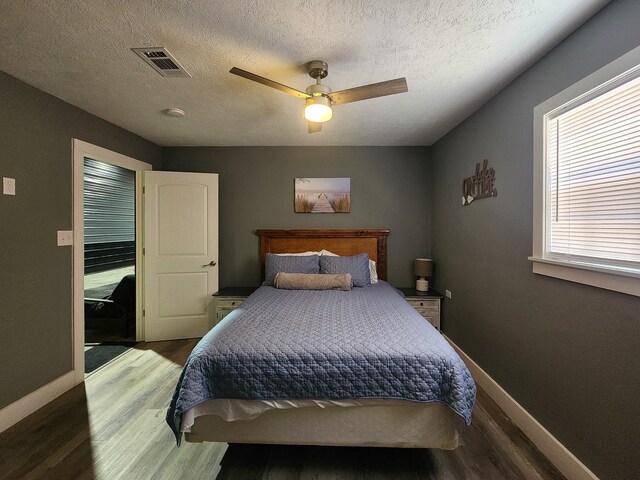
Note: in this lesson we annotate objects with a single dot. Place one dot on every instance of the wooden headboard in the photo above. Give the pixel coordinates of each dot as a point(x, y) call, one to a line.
point(342, 242)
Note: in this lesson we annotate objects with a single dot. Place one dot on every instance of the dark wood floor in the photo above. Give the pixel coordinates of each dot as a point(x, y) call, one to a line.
point(112, 427)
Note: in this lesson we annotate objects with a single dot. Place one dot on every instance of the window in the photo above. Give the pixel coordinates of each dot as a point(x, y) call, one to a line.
point(587, 181)
point(593, 180)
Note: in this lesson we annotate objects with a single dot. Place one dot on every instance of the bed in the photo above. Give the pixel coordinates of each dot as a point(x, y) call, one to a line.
point(355, 368)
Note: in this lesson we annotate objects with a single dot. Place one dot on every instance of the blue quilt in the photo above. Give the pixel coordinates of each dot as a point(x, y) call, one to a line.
point(301, 344)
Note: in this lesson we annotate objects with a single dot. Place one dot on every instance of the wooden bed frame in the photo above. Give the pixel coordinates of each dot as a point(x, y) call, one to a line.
point(342, 242)
point(407, 425)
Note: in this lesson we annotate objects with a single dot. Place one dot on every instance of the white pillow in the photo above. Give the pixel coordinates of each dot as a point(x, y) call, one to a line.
point(303, 254)
point(372, 265)
point(373, 271)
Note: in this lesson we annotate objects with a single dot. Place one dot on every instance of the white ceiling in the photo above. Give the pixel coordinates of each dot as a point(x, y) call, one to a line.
point(455, 54)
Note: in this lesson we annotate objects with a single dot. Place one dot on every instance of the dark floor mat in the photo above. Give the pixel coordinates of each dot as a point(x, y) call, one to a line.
point(99, 355)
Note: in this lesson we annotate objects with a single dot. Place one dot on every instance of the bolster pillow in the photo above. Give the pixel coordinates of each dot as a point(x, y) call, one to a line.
point(312, 281)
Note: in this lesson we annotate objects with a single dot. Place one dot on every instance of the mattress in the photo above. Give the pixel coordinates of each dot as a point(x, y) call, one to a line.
point(231, 410)
point(367, 343)
point(396, 424)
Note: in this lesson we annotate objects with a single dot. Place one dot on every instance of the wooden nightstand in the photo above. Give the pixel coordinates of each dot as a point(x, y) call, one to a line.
point(426, 304)
point(228, 299)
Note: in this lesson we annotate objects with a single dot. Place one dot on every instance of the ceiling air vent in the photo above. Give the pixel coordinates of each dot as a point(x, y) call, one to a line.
point(162, 61)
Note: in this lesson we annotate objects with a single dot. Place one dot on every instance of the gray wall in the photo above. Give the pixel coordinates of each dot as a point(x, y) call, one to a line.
point(390, 188)
point(35, 287)
point(568, 353)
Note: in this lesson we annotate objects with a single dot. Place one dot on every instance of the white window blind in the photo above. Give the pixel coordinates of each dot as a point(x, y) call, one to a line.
point(593, 178)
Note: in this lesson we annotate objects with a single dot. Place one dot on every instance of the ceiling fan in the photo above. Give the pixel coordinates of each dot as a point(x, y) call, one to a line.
point(320, 99)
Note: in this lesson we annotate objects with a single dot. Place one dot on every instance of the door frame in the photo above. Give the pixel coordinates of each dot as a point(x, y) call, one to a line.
point(81, 149)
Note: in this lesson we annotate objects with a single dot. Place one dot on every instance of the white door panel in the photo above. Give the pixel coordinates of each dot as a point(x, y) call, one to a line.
point(182, 227)
point(181, 294)
point(180, 242)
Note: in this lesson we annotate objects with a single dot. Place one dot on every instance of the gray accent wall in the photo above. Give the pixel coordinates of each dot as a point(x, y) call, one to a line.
point(35, 283)
point(568, 353)
point(390, 188)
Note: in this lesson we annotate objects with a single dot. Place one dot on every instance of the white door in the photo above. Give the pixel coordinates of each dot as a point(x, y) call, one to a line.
point(180, 253)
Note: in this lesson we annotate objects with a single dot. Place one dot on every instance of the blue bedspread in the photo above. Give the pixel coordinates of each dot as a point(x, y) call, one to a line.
point(293, 344)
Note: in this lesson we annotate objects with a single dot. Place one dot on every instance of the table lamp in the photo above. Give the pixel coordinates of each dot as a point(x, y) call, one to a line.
point(422, 267)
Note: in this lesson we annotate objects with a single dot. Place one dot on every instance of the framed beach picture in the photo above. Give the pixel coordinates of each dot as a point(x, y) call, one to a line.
point(322, 195)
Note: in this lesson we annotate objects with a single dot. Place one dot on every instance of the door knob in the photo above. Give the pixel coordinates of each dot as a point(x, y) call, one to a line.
point(212, 263)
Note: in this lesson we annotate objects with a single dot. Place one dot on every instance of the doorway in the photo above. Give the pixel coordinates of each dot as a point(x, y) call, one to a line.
point(106, 251)
point(109, 259)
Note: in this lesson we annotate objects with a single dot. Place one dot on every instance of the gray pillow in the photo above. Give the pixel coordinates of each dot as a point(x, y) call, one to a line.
point(357, 266)
point(312, 281)
point(289, 264)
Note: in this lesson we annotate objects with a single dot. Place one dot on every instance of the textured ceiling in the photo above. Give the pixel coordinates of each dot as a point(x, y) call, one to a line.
point(455, 54)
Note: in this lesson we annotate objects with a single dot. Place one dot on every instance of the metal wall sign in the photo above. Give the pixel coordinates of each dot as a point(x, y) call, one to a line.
point(480, 185)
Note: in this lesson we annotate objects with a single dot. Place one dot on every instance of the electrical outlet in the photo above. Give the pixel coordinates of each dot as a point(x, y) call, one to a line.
point(65, 237)
point(8, 186)
point(447, 293)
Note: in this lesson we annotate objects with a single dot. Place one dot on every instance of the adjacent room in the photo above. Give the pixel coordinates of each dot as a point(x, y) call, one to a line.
point(109, 261)
point(258, 240)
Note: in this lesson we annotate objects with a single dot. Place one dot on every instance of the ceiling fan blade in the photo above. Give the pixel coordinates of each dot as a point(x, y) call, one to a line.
point(268, 83)
point(314, 127)
point(390, 87)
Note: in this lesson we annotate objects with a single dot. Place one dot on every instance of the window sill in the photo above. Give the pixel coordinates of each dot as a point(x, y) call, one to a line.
point(620, 281)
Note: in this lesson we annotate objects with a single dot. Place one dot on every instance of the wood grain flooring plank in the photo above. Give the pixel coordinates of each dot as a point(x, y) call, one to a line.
point(74, 465)
point(329, 463)
point(481, 456)
point(248, 462)
point(442, 465)
point(509, 458)
point(285, 462)
point(31, 445)
point(517, 444)
point(113, 427)
point(193, 462)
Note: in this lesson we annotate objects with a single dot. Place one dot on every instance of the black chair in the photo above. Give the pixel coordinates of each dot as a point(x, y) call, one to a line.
point(119, 306)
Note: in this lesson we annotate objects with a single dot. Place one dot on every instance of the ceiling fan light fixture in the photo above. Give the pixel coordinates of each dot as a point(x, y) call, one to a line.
point(320, 99)
point(318, 109)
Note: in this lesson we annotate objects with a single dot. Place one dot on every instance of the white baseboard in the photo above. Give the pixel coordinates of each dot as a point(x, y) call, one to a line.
point(563, 459)
point(12, 414)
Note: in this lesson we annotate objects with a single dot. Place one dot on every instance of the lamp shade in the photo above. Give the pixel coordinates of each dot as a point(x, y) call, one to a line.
point(423, 267)
point(318, 110)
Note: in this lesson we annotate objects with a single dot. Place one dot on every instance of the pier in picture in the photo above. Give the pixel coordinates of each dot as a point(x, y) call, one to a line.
point(322, 195)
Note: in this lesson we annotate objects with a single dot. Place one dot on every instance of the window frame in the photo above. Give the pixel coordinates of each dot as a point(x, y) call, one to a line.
point(608, 277)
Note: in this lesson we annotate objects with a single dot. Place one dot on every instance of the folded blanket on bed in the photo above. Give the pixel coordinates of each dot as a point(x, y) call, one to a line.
point(312, 281)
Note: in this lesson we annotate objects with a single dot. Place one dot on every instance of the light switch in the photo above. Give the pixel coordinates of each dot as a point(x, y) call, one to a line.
point(8, 186)
point(65, 237)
